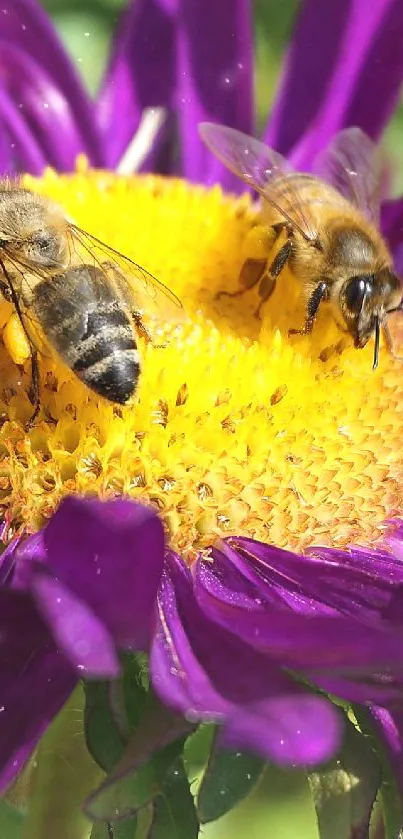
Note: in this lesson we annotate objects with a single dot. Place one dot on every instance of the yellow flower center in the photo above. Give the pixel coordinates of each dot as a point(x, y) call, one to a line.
point(236, 428)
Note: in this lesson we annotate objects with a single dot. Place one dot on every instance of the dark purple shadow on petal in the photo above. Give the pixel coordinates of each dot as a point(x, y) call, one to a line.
point(215, 81)
point(35, 681)
point(25, 26)
point(51, 125)
point(110, 555)
point(141, 73)
point(209, 674)
point(344, 67)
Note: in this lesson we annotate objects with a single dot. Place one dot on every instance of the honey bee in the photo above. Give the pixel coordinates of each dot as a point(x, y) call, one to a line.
point(84, 298)
point(323, 226)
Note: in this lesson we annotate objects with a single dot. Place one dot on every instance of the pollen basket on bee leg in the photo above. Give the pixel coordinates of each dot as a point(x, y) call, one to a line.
point(15, 340)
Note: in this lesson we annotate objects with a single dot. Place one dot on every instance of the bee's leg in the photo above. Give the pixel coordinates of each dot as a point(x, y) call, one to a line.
point(389, 341)
point(33, 393)
point(269, 279)
point(144, 332)
point(252, 272)
point(255, 270)
point(316, 298)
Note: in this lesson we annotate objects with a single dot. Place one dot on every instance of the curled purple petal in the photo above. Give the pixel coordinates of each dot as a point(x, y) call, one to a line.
point(35, 681)
point(388, 728)
point(303, 729)
point(322, 646)
point(141, 74)
point(215, 81)
point(20, 149)
point(209, 674)
point(344, 67)
point(100, 551)
point(81, 636)
point(25, 28)
point(44, 109)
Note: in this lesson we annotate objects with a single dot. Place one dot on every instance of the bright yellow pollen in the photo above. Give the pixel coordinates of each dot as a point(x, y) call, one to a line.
point(237, 429)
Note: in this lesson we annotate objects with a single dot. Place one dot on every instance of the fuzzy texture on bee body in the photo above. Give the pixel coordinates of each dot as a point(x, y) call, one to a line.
point(91, 331)
point(78, 294)
point(324, 226)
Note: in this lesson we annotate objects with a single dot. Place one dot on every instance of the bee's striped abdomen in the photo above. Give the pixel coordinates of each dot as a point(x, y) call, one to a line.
point(91, 330)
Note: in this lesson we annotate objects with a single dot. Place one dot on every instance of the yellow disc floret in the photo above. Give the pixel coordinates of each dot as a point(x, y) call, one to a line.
point(236, 428)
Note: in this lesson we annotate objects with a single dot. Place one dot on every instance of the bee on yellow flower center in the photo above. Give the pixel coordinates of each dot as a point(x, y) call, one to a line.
point(235, 428)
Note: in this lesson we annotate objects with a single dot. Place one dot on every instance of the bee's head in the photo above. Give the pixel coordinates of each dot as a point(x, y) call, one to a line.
point(32, 228)
point(365, 300)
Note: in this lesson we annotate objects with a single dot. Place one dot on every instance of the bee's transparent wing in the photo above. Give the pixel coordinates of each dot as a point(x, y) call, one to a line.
point(354, 166)
point(260, 167)
point(140, 290)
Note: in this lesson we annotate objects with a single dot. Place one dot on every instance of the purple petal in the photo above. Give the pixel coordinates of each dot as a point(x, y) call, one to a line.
point(345, 67)
point(215, 81)
point(35, 682)
point(20, 149)
point(299, 729)
point(110, 555)
point(208, 674)
point(76, 630)
point(26, 28)
point(141, 73)
point(322, 646)
point(392, 227)
point(326, 582)
point(388, 729)
point(51, 124)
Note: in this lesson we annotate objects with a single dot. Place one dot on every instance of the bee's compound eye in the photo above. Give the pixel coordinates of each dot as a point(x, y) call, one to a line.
point(44, 247)
point(44, 242)
point(356, 290)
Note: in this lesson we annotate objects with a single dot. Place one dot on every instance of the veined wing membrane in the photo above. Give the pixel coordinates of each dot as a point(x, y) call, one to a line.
point(16, 271)
point(260, 167)
point(353, 165)
point(141, 291)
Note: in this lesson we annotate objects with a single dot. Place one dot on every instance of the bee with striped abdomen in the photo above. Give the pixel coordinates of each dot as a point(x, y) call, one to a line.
point(84, 298)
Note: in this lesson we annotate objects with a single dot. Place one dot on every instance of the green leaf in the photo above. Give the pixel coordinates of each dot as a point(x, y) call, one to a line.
point(135, 686)
point(124, 795)
point(344, 791)
point(175, 815)
point(229, 777)
point(104, 740)
point(11, 821)
point(119, 830)
point(114, 709)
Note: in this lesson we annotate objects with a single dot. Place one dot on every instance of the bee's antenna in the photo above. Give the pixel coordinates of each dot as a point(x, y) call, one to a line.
point(376, 348)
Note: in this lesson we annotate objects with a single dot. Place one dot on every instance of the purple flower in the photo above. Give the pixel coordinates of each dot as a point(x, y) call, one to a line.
point(230, 634)
point(70, 597)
